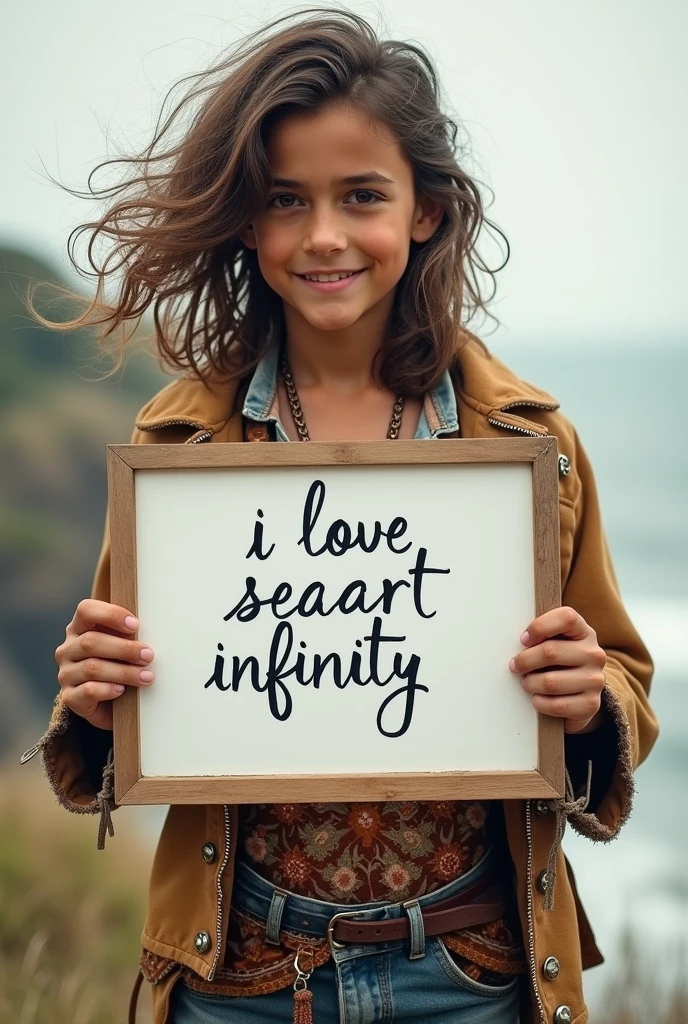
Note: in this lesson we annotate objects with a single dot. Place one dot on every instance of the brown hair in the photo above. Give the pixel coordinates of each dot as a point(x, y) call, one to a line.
point(177, 219)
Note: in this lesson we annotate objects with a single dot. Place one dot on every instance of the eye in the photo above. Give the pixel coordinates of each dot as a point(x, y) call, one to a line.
point(376, 198)
point(281, 195)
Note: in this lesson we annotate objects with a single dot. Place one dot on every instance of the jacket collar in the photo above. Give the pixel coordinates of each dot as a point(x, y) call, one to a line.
point(483, 382)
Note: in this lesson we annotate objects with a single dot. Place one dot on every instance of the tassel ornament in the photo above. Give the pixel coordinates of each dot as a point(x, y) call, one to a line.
point(303, 997)
point(303, 1006)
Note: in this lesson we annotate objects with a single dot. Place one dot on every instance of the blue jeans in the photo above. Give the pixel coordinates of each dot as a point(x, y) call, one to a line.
point(359, 984)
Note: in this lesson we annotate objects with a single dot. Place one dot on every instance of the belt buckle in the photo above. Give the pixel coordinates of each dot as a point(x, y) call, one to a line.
point(331, 941)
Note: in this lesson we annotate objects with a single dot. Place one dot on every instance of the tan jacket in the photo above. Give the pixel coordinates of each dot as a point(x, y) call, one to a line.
point(190, 898)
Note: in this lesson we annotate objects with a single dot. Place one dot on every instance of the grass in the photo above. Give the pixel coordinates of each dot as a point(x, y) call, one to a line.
point(70, 916)
point(645, 991)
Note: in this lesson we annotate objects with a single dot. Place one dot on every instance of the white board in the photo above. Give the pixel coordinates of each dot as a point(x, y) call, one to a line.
point(194, 529)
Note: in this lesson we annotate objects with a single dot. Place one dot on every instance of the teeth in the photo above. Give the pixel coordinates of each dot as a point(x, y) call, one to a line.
point(328, 277)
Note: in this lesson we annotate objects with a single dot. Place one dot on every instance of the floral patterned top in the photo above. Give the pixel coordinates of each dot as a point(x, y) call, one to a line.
point(360, 853)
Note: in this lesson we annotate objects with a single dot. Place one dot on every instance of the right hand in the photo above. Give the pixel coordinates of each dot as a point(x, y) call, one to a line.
point(98, 659)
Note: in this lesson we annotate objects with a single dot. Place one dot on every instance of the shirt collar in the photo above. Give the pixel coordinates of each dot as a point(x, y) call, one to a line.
point(439, 414)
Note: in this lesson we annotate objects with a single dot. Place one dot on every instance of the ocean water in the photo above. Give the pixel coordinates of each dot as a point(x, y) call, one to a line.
point(629, 407)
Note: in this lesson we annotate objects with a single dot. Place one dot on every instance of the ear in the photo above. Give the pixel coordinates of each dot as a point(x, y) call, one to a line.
point(248, 237)
point(427, 216)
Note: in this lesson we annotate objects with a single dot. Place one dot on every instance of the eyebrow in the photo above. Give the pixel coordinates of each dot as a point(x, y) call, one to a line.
point(367, 178)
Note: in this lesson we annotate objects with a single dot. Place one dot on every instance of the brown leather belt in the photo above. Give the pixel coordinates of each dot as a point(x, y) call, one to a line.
point(482, 902)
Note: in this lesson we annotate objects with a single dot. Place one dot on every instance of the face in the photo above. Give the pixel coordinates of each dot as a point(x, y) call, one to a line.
point(342, 201)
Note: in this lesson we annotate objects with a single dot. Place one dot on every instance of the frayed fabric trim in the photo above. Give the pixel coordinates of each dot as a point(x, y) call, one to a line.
point(104, 801)
point(589, 825)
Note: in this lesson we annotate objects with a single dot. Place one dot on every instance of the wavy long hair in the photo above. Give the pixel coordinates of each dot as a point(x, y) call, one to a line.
point(174, 222)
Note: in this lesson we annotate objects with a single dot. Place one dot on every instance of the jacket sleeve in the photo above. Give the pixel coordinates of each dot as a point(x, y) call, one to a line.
point(630, 728)
point(76, 756)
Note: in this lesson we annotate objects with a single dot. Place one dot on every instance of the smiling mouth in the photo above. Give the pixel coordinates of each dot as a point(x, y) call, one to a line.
point(331, 277)
point(330, 284)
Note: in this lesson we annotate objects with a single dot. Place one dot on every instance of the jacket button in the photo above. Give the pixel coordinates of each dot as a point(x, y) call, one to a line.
point(542, 882)
point(550, 968)
point(564, 470)
point(541, 807)
point(209, 852)
point(563, 1015)
point(202, 942)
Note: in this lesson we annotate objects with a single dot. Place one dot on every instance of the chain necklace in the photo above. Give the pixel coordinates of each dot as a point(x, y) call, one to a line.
point(297, 411)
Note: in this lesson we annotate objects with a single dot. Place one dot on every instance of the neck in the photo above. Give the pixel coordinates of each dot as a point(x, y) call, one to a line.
point(340, 360)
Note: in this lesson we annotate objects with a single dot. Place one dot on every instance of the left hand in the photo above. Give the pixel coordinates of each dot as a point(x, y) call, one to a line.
point(563, 667)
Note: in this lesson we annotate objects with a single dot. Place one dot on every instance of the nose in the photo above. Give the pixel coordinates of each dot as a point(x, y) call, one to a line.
point(324, 232)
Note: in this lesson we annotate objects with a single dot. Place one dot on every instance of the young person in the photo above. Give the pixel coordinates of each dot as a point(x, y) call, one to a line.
point(309, 249)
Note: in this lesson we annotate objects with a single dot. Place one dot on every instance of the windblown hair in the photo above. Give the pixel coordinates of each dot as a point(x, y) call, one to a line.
point(177, 218)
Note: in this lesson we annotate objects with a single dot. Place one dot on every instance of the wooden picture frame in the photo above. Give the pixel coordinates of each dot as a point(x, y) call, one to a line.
point(164, 467)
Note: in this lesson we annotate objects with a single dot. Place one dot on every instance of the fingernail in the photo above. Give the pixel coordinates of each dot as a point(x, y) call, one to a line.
point(146, 676)
point(131, 623)
point(512, 664)
point(119, 688)
point(525, 638)
point(146, 654)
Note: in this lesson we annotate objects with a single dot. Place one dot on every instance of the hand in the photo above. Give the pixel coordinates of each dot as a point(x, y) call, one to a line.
point(97, 660)
point(563, 667)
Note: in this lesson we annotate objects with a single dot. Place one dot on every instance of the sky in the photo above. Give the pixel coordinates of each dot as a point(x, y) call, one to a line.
point(577, 115)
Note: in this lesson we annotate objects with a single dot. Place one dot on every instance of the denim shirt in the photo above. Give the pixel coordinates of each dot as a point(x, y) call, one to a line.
point(438, 416)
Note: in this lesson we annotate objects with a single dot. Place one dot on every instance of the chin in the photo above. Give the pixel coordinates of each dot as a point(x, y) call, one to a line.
point(332, 323)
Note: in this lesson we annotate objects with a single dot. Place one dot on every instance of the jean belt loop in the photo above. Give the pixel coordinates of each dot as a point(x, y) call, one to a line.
point(274, 921)
point(416, 930)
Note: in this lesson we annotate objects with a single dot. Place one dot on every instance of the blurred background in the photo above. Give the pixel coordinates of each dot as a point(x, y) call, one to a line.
point(577, 119)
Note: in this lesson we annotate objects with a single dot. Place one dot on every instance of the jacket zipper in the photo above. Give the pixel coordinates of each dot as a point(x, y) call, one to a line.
point(531, 927)
point(529, 823)
point(511, 426)
point(219, 894)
